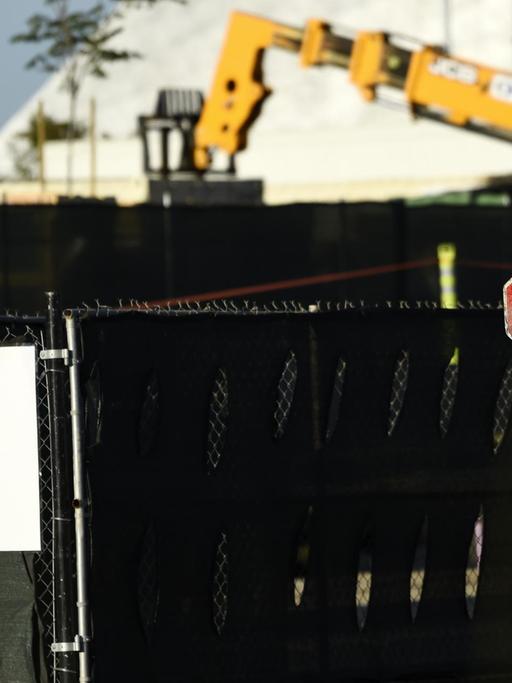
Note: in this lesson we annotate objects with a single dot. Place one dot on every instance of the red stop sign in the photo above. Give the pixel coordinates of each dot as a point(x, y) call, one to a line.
point(507, 304)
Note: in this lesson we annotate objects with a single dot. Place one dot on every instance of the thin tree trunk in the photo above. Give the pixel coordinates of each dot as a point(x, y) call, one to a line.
point(70, 84)
point(70, 140)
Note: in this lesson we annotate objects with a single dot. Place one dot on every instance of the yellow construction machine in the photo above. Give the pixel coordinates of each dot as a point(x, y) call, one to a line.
point(433, 84)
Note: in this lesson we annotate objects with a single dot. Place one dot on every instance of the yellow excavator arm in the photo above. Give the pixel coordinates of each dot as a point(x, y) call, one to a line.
point(238, 91)
point(434, 84)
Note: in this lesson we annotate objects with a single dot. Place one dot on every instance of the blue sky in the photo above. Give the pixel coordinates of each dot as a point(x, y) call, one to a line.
point(16, 82)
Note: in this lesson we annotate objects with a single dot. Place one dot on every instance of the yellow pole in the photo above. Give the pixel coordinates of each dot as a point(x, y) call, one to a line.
point(446, 256)
point(41, 137)
point(92, 141)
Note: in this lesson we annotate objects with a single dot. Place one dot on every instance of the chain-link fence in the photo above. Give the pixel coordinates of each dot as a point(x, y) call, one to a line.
point(15, 332)
point(313, 496)
point(44, 642)
point(292, 495)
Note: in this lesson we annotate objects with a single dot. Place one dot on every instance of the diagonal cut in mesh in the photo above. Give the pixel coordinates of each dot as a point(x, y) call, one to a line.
point(398, 390)
point(217, 421)
point(148, 583)
point(149, 420)
point(502, 409)
point(473, 566)
point(220, 584)
point(285, 393)
point(418, 570)
point(302, 557)
point(364, 580)
point(449, 393)
point(336, 396)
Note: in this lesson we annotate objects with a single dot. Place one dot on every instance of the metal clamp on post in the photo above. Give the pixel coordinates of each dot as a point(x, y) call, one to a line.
point(57, 354)
point(76, 646)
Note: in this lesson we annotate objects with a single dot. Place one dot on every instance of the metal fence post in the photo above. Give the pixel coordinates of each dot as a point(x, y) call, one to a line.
point(66, 662)
point(80, 498)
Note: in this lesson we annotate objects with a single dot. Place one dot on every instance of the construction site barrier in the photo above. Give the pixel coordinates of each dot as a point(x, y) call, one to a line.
point(272, 494)
point(369, 251)
point(289, 496)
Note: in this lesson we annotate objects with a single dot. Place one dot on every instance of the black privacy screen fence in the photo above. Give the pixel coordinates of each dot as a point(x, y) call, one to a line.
point(150, 253)
point(310, 497)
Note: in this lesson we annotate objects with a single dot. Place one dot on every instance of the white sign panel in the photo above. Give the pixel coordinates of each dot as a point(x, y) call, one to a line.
point(19, 462)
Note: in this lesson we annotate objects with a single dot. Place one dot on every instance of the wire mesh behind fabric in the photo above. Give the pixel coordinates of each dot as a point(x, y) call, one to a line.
point(339, 530)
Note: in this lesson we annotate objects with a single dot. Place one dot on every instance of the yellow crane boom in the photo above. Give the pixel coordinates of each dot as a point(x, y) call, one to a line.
point(434, 83)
